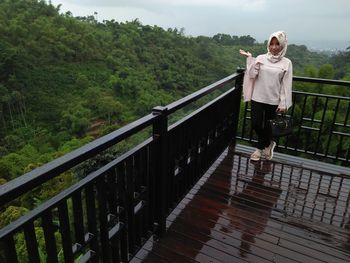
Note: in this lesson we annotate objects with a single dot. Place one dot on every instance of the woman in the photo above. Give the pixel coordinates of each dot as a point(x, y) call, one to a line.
point(268, 85)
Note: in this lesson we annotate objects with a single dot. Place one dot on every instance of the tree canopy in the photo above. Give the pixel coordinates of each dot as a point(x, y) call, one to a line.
point(65, 80)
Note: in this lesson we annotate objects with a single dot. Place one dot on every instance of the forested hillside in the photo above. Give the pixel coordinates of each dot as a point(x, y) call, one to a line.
point(65, 80)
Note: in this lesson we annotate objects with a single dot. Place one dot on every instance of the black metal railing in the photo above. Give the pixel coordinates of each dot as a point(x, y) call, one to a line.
point(109, 214)
point(321, 123)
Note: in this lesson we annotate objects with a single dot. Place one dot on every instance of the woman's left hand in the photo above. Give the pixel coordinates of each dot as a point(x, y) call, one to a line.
point(245, 53)
point(280, 109)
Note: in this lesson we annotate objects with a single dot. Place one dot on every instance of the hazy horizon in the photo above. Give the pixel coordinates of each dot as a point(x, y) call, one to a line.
point(317, 24)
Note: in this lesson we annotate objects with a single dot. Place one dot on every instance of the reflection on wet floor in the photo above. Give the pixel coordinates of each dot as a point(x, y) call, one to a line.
point(265, 211)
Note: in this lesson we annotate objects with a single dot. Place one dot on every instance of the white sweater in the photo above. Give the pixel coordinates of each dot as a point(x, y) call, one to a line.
point(271, 82)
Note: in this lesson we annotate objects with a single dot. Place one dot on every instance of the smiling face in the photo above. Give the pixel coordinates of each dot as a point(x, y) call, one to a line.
point(274, 46)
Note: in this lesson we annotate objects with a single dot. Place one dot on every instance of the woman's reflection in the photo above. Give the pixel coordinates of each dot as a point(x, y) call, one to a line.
point(252, 203)
point(233, 206)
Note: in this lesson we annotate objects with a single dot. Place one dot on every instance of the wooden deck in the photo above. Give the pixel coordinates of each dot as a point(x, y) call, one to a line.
point(285, 210)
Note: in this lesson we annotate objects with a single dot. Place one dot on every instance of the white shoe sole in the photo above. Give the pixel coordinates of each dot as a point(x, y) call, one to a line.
point(271, 151)
point(255, 158)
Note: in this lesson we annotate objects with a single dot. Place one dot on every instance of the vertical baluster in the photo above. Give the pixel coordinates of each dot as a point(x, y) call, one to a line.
point(130, 205)
point(251, 125)
point(291, 114)
point(112, 198)
point(339, 147)
point(65, 231)
point(10, 249)
point(151, 184)
point(178, 166)
point(244, 119)
point(340, 187)
point(237, 173)
point(300, 176)
point(336, 199)
point(347, 157)
point(115, 247)
point(321, 126)
point(301, 123)
point(196, 150)
point(102, 212)
point(234, 115)
point(314, 110)
point(78, 218)
point(324, 203)
point(91, 219)
point(347, 204)
point(49, 234)
point(183, 179)
point(247, 162)
point(137, 189)
point(280, 174)
point(299, 181)
point(31, 243)
point(274, 174)
point(173, 166)
point(332, 127)
point(291, 175)
point(288, 189)
point(144, 174)
point(347, 115)
point(136, 172)
point(193, 155)
point(307, 193)
point(113, 208)
point(189, 165)
point(122, 214)
point(316, 195)
point(330, 185)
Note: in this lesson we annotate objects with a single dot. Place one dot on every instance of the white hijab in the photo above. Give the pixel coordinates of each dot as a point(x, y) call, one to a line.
point(282, 40)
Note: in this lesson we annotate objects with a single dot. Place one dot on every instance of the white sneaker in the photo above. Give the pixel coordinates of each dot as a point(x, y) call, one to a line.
point(255, 156)
point(268, 151)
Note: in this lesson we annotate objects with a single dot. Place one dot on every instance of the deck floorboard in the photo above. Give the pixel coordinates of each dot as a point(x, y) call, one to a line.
point(265, 211)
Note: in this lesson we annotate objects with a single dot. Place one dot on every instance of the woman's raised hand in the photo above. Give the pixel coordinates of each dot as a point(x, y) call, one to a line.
point(245, 53)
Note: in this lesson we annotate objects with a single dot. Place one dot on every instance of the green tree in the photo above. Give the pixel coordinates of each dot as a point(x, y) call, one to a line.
point(326, 71)
point(108, 107)
point(10, 214)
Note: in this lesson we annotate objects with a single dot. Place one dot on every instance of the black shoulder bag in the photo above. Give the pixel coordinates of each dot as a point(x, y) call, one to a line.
point(282, 125)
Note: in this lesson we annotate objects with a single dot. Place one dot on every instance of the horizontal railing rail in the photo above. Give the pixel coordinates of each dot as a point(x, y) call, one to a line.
point(172, 107)
point(108, 214)
point(38, 176)
point(322, 81)
point(321, 124)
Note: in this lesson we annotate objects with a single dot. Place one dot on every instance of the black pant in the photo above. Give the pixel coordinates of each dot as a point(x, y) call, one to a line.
point(261, 113)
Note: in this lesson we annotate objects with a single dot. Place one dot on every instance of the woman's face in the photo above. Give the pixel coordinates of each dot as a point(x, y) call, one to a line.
point(274, 46)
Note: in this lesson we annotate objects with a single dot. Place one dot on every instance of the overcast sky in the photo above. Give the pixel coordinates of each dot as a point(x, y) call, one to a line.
point(315, 23)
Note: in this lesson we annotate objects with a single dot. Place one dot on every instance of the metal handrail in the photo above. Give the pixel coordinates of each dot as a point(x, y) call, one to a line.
point(322, 81)
point(40, 175)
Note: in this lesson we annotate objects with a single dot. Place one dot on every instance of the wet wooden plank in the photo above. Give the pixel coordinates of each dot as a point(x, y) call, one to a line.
point(265, 241)
point(257, 212)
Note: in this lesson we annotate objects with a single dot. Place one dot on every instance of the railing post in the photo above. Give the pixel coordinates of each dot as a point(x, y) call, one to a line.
point(161, 159)
point(237, 103)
